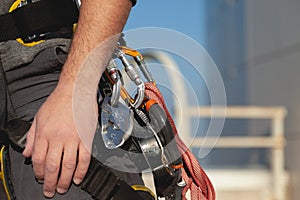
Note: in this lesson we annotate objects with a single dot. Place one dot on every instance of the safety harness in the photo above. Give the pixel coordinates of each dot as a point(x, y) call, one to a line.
point(150, 136)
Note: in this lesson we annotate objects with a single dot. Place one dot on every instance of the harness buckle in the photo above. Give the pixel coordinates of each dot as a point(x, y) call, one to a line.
point(36, 37)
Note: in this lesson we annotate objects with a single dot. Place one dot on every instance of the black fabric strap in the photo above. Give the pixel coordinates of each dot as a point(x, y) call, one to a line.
point(40, 17)
point(8, 29)
point(103, 184)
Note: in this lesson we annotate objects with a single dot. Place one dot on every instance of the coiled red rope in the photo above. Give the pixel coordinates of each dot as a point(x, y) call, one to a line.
point(194, 176)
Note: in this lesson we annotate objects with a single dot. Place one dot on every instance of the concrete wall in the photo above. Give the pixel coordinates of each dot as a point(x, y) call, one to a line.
point(273, 69)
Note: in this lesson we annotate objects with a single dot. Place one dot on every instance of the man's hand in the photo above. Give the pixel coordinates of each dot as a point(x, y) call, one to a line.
point(58, 153)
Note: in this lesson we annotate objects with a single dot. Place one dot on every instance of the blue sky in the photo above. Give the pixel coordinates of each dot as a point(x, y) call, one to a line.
point(187, 18)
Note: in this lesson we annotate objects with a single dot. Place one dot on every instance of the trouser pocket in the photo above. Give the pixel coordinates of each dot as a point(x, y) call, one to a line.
point(29, 85)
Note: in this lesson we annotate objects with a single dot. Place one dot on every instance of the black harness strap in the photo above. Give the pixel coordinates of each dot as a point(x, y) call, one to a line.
point(103, 184)
point(42, 17)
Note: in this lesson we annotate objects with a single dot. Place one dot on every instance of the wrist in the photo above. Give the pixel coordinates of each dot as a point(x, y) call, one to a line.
point(84, 82)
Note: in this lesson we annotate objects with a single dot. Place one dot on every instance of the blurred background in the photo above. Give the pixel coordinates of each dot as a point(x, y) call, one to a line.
point(256, 46)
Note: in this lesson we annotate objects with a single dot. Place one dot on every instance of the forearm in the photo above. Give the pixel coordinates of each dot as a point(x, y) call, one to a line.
point(99, 20)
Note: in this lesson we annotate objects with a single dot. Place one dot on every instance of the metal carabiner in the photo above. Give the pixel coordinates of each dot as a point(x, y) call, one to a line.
point(117, 83)
point(134, 76)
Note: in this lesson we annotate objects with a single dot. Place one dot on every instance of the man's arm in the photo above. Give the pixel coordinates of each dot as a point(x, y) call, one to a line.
point(53, 140)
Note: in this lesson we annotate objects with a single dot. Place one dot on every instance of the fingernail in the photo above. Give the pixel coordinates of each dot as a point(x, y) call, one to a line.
point(77, 181)
point(40, 181)
point(61, 190)
point(48, 194)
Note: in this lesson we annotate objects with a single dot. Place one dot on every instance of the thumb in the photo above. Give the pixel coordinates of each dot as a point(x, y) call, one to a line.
point(30, 140)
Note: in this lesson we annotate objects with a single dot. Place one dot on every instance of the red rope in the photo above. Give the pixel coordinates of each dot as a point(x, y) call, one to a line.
point(196, 179)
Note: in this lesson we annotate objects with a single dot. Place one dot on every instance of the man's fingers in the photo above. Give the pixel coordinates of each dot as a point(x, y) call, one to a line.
point(52, 166)
point(39, 153)
point(30, 140)
point(67, 168)
point(84, 159)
